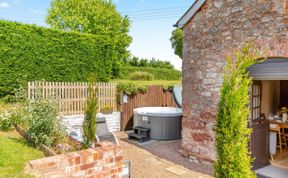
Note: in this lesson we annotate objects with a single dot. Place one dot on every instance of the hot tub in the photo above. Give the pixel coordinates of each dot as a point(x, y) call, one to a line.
point(165, 123)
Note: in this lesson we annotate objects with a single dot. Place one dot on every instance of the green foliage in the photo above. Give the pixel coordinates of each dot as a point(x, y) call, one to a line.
point(144, 76)
point(98, 17)
point(159, 73)
point(131, 88)
point(15, 153)
point(138, 62)
point(232, 134)
point(89, 125)
point(177, 42)
point(43, 125)
point(20, 96)
point(9, 118)
point(13, 115)
point(29, 53)
point(168, 87)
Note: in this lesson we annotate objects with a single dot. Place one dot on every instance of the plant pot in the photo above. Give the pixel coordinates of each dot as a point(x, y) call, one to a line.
point(105, 111)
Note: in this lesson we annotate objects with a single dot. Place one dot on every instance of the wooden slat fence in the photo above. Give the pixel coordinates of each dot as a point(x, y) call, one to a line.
point(72, 95)
point(154, 97)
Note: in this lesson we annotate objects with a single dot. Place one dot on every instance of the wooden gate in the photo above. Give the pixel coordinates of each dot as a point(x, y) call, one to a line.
point(155, 96)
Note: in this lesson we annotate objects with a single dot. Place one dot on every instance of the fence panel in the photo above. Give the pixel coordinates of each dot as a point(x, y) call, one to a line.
point(72, 95)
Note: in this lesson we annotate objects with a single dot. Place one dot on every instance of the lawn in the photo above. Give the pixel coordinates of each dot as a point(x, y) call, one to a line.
point(14, 153)
point(153, 82)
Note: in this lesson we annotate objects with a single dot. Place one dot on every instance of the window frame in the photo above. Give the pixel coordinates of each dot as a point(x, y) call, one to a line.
point(256, 100)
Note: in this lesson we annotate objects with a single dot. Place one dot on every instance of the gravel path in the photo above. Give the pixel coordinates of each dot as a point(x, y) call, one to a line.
point(159, 160)
point(170, 152)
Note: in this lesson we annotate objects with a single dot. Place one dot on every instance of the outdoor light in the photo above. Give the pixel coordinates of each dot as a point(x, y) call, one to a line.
point(125, 99)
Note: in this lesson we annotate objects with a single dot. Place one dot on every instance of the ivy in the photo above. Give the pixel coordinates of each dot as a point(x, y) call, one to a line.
point(130, 89)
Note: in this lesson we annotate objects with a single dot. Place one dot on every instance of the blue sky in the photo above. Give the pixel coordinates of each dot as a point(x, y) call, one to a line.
point(152, 22)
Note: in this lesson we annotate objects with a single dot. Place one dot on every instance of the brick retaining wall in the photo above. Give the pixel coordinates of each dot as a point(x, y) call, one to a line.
point(103, 161)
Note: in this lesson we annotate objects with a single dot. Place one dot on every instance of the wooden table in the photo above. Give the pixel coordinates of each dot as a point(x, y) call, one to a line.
point(283, 125)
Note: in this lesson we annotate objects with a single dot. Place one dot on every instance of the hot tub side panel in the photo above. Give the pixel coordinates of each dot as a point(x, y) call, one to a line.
point(165, 128)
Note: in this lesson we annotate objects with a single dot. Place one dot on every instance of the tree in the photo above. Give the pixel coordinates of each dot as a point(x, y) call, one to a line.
point(98, 17)
point(177, 41)
point(232, 134)
point(89, 124)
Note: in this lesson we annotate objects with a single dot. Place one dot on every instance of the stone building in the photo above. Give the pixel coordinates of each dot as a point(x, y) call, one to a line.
point(212, 30)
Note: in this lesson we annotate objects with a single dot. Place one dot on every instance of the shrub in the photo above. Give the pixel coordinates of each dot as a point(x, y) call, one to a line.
point(29, 53)
point(144, 76)
point(43, 124)
point(130, 89)
point(89, 125)
point(8, 119)
point(232, 134)
point(15, 115)
point(158, 73)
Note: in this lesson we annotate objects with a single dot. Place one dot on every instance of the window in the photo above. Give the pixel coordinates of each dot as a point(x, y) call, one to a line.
point(256, 100)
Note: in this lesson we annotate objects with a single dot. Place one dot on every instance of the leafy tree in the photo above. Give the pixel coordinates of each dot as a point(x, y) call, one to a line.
point(95, 17)
point(232, 134)
point(144, 63)
point(138, 62)
point(177, 41)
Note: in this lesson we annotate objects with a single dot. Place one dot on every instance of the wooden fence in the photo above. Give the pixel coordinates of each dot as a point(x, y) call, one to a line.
point(155, 96)
point(72, 95)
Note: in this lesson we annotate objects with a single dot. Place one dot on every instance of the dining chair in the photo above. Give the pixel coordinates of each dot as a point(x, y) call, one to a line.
point(285, 137)
point(281, 138)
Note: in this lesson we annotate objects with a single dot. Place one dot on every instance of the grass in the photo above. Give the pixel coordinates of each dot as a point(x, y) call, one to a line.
point(14, 154)
point(153, 82)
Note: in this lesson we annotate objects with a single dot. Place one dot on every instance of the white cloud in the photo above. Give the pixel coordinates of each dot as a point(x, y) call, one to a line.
point(4, 5)
point(35, 11)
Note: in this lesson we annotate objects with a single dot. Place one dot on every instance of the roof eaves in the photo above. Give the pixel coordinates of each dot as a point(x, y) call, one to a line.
point(189, 13)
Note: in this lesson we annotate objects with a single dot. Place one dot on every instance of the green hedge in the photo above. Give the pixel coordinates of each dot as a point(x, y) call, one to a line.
point(28, 53)
point(159, 73)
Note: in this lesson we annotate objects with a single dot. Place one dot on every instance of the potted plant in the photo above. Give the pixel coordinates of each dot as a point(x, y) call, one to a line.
point(107, 110)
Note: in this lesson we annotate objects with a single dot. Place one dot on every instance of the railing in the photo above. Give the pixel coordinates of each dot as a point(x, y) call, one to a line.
point(72, 95)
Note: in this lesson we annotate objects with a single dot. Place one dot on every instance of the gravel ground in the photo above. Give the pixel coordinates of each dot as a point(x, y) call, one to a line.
point(159, 160)
point(170, 152)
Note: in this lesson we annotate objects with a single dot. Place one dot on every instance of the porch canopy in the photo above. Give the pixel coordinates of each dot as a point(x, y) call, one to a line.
point(270, 69)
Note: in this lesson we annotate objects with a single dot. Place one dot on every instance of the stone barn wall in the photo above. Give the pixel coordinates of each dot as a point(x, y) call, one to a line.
point(220, 27)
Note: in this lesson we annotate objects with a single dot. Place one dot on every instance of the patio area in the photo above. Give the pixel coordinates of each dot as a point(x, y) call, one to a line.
point(160, 159)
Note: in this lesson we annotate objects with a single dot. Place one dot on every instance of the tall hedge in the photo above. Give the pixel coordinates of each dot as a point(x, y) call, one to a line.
point(28, 52)
point(159, 73)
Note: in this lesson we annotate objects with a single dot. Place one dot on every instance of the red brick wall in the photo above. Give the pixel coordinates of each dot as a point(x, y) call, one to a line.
point(218, 29)
point(104, 161)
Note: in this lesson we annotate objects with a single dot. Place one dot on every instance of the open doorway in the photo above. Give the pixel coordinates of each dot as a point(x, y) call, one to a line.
point(274, 104)
point(269, 103)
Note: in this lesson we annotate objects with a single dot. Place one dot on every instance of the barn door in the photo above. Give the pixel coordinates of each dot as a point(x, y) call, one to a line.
point(259, 144)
